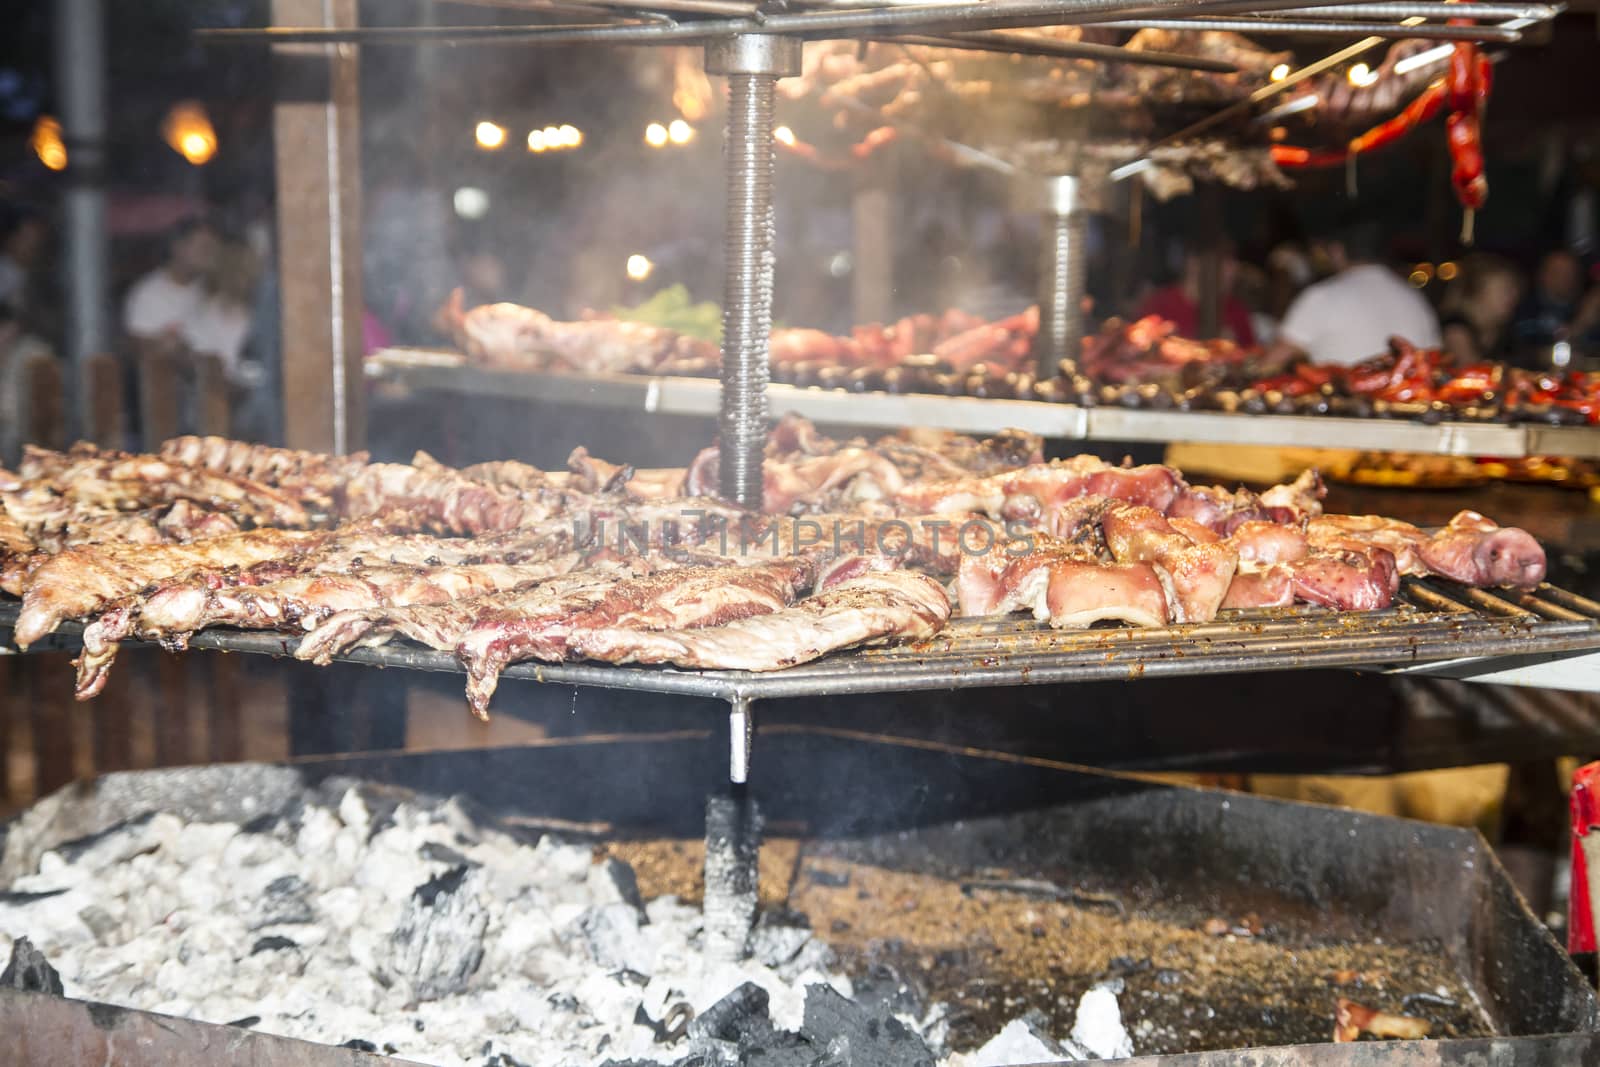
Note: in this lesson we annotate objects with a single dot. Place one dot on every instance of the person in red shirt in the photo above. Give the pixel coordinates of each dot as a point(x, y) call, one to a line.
point(1180, 302)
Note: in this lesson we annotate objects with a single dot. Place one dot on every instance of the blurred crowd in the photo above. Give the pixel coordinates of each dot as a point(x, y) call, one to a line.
point(207, 291)
point(1338, 299)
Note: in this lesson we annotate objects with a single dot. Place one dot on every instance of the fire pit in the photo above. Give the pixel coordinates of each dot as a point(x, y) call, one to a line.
point(935, 899)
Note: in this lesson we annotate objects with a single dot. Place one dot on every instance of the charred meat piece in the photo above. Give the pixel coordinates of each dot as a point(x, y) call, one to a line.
point(177, 610)
point(684, 598)
point(870, 608)
point(88, 579)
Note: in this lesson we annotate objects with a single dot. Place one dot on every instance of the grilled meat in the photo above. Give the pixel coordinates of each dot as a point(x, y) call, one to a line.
point(87, 579)
point(176, 610)
point(869, 608)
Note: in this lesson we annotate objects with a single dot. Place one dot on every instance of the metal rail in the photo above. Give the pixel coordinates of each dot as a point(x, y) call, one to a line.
point(1432, 622)
point(442, 372)
point(860, 21)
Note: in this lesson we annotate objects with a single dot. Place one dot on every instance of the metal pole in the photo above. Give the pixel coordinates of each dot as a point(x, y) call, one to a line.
point(753, 64)
point(80, 62)
point(1063, 266)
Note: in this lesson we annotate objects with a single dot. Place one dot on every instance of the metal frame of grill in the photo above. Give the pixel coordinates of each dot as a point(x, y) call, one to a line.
point(1549, 637)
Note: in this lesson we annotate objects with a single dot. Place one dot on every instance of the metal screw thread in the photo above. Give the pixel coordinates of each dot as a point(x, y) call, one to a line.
point(1064, 276)
point(747, 298)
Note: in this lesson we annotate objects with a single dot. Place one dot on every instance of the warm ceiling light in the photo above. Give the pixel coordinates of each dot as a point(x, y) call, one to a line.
point(680, 132)
point(655, 135)
point(1280, 72)
point(571, 136)
point(47, 143)
point(536, 141)
point(639, 267)
point(784, 135)
point(188, 131)
point(1418, 279)
point(1448, 271)
point(470, 202)
point(490, 136)
point(1361, 75)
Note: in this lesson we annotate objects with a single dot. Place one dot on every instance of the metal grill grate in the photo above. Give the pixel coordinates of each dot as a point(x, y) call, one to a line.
point(1431, 622)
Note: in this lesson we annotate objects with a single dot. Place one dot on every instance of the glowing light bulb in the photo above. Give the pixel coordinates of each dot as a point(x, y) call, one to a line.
point(1361, 75)
point(47, 143)
point(655, 135)
point(188, 131)
point(680, 132)
point(784, 135)
point(639, 267)
point(1280, 72)
point(571, 136)
point(1448, 271)
point(489, 135)
point(536, 141)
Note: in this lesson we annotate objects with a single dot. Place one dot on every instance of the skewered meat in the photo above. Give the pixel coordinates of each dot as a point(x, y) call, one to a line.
point(178, 609)
point(865, 609)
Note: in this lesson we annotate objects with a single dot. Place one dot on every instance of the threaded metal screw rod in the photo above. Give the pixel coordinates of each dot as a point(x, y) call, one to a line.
point(1064, 277)
point(1063, 265)
point(753, 64)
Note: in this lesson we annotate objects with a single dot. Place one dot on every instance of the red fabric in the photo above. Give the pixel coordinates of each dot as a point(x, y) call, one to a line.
point(1580, 923)
point(1173, 303)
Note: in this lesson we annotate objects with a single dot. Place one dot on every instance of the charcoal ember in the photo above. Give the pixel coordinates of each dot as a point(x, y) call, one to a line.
point(612, 934)
point(741, 1017)
point(438, 943)
point(622, 877)
point(29, 971)
point(777, 939)
point(855, 1036)
point(285, 902)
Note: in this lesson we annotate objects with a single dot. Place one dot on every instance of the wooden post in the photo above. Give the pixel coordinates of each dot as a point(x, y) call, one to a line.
point(102, 378)
point(45, 416)
point(213, 412)
point(159, 394)
point(316, 131)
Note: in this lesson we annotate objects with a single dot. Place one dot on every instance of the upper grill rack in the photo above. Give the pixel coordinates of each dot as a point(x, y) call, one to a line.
point(1431, 622)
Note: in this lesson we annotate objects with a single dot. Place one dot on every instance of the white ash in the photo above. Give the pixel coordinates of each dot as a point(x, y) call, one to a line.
point(422, 931)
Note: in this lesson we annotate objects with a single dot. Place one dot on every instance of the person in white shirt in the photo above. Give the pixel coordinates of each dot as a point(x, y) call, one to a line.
point(1350, 317)
point(165, 304)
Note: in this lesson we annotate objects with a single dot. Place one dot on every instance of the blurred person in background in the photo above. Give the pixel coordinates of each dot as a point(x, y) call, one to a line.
point(221, 323)
point(1179, 303)
point(1557, 308)
point(1351, 316)
point(1475, 316)
point(22, 241)
point(163, 305)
